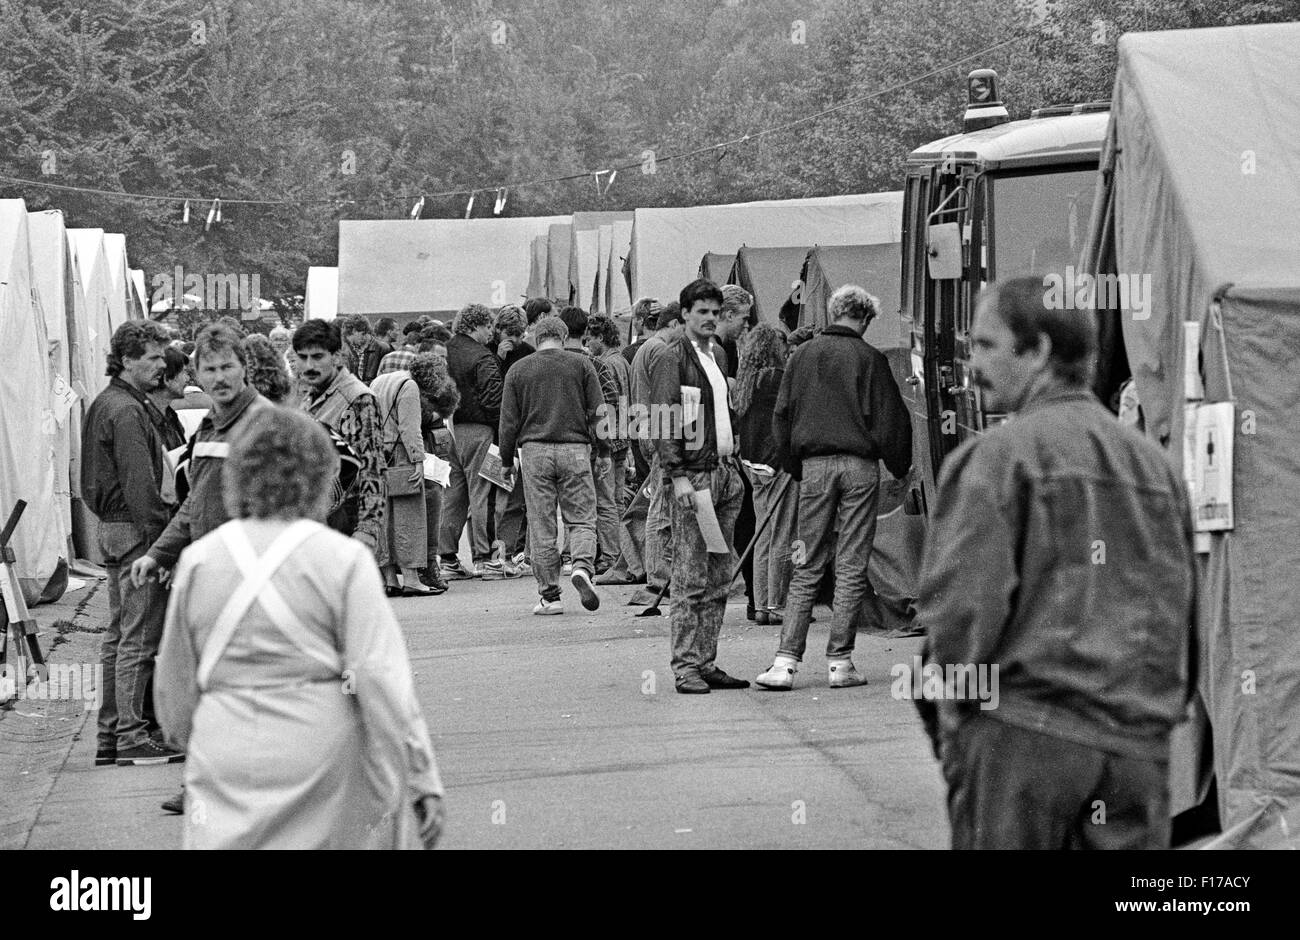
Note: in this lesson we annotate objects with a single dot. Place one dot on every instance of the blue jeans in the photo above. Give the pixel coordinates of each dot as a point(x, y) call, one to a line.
point(135, 626)
point(558, 475)
point(701, 579)
point(838, 492)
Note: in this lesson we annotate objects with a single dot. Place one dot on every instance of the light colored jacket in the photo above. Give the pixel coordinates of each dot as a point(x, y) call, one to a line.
point(398, 398)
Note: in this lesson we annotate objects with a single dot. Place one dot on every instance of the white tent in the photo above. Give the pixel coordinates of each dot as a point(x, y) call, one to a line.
point(402, 269)
point(26, 418)
point(559, 242)
point(96, 285)
point(602, 269)
point(583, 257)
point(122, 302)
point(617, 301)
point(141, 293)
point(321, 301)
point(52, 277)
point(667, 244)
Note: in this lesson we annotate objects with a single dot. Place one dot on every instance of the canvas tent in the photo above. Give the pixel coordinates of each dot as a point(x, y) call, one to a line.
point(403, 268)
point(602, 268)
point(617, 300)
point(585, 253)
point(123, 303)
point(1215, 229)
point(668, 243)
point(770, 275)
point(874, 267)
point(321, 299)
point(559, 242)
point(717, 266)
point(88, 255)
point(537, 268)
point(27, 440)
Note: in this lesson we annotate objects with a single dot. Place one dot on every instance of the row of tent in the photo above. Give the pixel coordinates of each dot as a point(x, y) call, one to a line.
point(604, 261)
point(62, 294)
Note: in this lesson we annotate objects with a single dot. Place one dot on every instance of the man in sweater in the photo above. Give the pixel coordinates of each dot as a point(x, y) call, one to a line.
point(838, 414)
point(697, 453)
point(550, 412)
point(477, 373)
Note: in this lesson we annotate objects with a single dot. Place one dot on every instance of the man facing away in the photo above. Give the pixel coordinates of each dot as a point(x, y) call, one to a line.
point(838, 414)
point(340, 401)
point(121, 482)
point(1059, 559)
point(550, 412)
point(698, 454)
point(477, 373)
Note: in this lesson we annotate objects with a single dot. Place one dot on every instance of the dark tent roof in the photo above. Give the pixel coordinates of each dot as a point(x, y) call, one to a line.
point(770, 274)
point(716, 267)
point(874, 267)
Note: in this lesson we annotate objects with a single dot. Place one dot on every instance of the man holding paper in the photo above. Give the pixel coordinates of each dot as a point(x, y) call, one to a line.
point(550, 412)
point(702, 486)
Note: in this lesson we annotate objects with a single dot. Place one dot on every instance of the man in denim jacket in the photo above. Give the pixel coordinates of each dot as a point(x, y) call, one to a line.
point(1059, 561)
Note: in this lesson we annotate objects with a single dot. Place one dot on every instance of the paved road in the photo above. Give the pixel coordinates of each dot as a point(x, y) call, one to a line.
point(566, 732)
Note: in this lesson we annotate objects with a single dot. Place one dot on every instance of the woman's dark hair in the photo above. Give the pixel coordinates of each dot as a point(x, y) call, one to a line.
point(762, 352)
point(266, 371)
point(177, 362)
point(435, 384)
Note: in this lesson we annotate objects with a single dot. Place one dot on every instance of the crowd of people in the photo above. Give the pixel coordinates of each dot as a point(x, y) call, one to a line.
point(257, 493)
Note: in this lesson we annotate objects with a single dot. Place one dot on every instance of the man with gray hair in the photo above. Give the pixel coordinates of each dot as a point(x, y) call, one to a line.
point(838, 414)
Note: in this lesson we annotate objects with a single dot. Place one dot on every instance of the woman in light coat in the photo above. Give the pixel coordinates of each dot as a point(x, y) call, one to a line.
point(283, 673)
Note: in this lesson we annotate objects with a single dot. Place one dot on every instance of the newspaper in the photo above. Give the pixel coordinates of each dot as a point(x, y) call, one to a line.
point(492, 470)
point(708, 522)
point(437, 470)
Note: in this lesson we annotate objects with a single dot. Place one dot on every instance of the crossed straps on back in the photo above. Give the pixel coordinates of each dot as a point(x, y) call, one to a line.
point(257, 588)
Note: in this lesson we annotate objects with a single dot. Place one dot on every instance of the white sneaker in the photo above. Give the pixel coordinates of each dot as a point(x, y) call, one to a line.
point(547, 608)
point(844, 675)
point(780, 675)
point(567, 568)
point(582, 581)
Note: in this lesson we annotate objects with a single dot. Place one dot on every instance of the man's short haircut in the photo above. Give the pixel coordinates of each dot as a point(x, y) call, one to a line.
point(177, 362)
point(1022, 306)
point(511, 320)
point(414, 326)
point(734, 298)
point(232, 324)
point(699, 289)
point(131, 341)
point(670, 314)
point(537, 307)
point(323, 333)
point(471, 317)
point(552, 327)
point(854, 303)
point(575, 318)
point(435, 334)
point(353, 323)
point(384, 325)
point(604, 329)
point(219, 338)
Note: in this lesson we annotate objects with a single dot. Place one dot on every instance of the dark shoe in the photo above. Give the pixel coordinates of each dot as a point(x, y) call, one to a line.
point(393, 590)
point(647, 595)
point(693, 685)
point(432, 579)
point(717, 679)
point(106, 756)
point(617, 577)
point(410, 590)
point(582, 581)
point(769, 618)
point(762, 618)
point(750, 613)
point(176, 805)
point(149, 753)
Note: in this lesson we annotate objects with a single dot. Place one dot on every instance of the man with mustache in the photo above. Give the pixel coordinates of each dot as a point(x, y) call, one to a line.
point(121, 482)
point(340, 401)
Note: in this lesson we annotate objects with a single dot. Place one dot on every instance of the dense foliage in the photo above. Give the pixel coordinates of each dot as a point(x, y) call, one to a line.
point(350, 108)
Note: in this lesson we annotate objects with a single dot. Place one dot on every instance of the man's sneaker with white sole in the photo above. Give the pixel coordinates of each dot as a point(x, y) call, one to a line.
point(844, 675)
point(780, 675)
point(582, 581)
point(547, 608)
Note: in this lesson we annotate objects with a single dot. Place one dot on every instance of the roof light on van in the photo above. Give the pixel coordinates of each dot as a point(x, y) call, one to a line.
point(984, 106)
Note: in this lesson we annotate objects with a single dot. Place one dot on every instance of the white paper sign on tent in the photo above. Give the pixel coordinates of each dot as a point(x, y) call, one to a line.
point(62, 398)
point(1213, 492)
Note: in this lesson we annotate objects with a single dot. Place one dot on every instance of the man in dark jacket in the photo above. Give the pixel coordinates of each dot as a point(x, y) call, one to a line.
point(121, 482)
point(697, 455)
point(1059, 578)
point(838, 414)
point(477, 373)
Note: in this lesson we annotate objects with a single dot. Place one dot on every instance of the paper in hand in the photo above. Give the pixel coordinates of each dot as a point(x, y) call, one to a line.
point(493, 472)
point(437, 470)
point(708, 522)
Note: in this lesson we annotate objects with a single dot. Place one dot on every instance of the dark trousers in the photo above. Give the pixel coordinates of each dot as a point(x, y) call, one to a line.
point(1010, 788)
point(135, 626)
